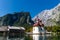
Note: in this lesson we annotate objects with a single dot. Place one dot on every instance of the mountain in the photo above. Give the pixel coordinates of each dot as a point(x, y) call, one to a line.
point(16, 19)
point(50, 17)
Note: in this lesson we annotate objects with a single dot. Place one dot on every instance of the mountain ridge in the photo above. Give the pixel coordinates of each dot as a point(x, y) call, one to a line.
point(16, 19)
point(50, 17)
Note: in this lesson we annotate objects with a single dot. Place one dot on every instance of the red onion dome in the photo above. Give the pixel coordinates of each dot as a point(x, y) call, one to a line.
point(36, 24)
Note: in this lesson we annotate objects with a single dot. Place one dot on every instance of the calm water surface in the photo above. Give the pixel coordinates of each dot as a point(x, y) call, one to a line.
point(31, 37)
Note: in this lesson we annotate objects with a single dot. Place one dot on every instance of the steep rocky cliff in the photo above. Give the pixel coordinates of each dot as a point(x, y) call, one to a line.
point(16, 19)
point(50, 17)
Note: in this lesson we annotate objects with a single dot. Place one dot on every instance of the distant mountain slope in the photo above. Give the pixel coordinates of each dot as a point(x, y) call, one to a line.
point(16, 19)
point(50, 17)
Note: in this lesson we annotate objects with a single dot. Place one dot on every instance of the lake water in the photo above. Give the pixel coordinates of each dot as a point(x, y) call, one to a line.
point(31, 37)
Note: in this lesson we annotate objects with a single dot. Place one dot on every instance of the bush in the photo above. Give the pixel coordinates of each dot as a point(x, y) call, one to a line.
point(53, 28)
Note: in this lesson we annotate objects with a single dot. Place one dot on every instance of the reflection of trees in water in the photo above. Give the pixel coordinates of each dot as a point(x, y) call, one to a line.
point(52, 38)
point(28, 37)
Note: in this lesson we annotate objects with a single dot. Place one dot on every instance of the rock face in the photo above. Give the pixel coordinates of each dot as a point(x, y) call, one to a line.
point(50, 17)
point(16, 19)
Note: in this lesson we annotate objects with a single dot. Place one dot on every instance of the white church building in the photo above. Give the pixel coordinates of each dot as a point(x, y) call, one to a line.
point(38, 27)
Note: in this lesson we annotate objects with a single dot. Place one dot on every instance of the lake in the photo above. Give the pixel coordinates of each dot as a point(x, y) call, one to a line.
point(31, 37)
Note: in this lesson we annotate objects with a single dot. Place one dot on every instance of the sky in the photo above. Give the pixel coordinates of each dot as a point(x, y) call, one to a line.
point(32, 6)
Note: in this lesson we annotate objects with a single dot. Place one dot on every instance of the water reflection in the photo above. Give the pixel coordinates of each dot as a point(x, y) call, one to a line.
point(38, 37)
point(31, 37)
point(20, 37)
point(3, 38)
point(45, 37)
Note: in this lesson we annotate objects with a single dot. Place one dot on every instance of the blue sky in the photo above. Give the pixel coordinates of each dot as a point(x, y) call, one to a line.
point(32, 6)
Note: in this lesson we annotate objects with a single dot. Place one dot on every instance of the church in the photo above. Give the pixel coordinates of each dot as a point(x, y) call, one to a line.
point(38, 26)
